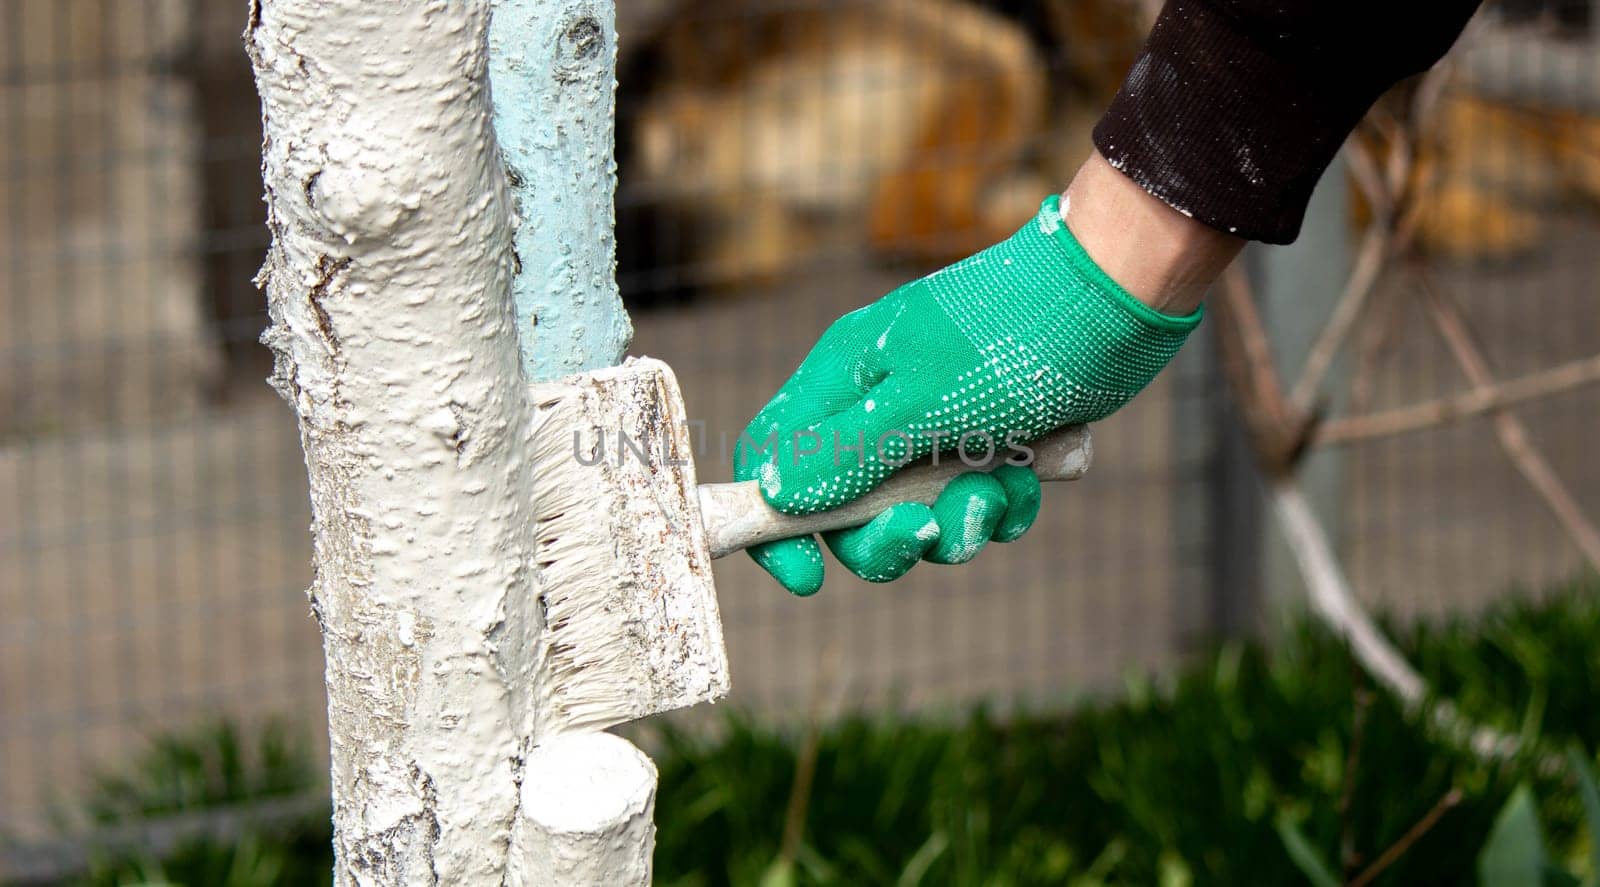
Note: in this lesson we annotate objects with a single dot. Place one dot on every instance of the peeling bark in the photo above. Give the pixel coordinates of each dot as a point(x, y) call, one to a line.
point(388, 286)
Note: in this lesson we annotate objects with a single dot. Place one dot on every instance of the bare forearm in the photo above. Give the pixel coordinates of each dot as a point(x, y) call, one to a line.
point(1164, 258)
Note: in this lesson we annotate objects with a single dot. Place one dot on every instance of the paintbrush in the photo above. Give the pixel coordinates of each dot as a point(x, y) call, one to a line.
point(626, 538)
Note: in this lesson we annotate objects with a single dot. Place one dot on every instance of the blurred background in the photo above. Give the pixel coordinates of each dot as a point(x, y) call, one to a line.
point(781, 162)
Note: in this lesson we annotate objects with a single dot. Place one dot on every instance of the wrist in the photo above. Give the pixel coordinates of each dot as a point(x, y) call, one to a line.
point(1162, 257)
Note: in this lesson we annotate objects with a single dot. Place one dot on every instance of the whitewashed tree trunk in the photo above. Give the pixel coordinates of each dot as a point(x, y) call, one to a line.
point(390, 289)
point(388, 285)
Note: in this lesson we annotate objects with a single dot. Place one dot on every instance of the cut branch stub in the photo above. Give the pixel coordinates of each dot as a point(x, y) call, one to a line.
point(588, 801)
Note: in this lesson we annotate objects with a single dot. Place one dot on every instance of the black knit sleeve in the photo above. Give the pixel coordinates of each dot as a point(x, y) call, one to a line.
point(1236, 107)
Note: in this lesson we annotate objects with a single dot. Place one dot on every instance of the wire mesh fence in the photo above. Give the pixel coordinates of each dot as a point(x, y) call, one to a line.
point(781, 163)
point(154, 509)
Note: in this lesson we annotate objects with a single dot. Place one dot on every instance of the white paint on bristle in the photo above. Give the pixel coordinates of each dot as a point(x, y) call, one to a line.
point(622, 568)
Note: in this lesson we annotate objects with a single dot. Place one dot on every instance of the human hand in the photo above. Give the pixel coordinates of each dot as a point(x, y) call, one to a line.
point(1022, 338)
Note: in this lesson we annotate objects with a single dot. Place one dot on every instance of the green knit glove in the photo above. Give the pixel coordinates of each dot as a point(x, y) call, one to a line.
point(1020, 339)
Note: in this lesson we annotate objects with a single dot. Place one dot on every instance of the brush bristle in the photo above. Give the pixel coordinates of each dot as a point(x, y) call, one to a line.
point(630, 610)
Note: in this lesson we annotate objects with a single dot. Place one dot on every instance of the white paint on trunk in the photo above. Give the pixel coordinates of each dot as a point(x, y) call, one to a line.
point(456, 758)
point(392, 326)
point(587, 803)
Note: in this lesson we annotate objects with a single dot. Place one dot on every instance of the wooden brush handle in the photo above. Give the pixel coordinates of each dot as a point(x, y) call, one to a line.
point(737, 517)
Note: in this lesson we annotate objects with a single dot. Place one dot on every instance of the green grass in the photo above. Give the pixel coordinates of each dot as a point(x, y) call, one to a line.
point(211, 767)
point(1221, 774)
point(1180, 781)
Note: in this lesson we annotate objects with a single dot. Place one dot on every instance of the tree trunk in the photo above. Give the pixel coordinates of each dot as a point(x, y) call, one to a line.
point(553, 67)
point(392, 327)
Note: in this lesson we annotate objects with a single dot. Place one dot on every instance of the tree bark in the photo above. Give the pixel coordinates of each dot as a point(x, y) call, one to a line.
point(553, 68)
point(392, 327)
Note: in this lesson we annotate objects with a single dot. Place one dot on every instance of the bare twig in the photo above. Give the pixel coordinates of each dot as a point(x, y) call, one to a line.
point(1241, 307)
point(1399, 161)
point(1389, 185)
point(1348, 856)
point(1509, 430)
point(1430, 92)
point(794, 817)
point(1331, 597)
point(1368, 180)
point(1454, 408)
point(1371, 256)
point(1278, 434)
point(805, 770)
point(1333, 602)
point(1412, 836)
point(1253, 383)
point(1371, 342)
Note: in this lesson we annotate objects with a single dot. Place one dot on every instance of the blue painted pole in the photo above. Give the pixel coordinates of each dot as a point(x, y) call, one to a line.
point(552, 71)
